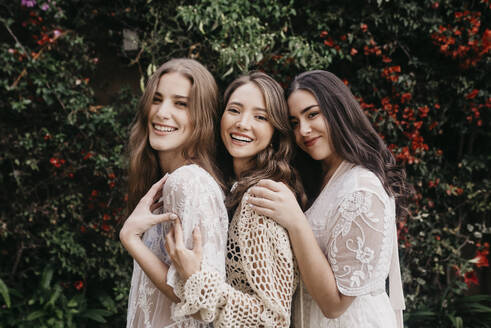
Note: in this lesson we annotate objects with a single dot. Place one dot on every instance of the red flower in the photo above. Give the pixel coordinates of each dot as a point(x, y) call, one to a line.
point(111, 176)
point(47, 136)
point(323, 34)
point(329, 42)
point(78, 285)
point(106, 217)
point(472, 94)
point(353, 51)
point(82, 229)
point(481, 259)
point(94, 193)
point(363, 27)
point(471, 278)
point(435, 5)
point(88, 155)
point(105, 227)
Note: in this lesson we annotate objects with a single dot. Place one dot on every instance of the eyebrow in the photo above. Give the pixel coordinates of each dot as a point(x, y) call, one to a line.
point(240, 105)
point(305, 110)
point(173, 96)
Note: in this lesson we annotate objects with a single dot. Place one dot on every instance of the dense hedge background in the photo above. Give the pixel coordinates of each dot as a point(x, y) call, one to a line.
point(420, 69)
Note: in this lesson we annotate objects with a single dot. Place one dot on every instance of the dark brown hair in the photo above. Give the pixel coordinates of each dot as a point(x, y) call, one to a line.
point(353, 137)
point(274, 161)
point(144, 168)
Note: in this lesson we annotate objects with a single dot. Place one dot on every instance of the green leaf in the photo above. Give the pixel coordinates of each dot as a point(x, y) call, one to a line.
point(5, 293)
point(35, 315)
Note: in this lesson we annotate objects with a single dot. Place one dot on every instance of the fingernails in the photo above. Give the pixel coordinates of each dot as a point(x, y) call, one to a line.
point(173, 216)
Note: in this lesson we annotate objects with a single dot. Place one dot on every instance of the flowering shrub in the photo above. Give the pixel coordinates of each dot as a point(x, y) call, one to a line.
point(418, 68)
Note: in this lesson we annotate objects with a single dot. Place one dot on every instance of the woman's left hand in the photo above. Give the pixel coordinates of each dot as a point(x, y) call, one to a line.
point(186, 261)
point(277, 201)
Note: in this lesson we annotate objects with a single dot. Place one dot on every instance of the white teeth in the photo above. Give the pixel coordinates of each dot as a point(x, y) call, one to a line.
point(163, 128)
point(240, 138)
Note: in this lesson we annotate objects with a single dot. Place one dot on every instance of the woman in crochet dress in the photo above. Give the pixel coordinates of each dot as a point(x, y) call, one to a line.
point(346, 242)
point(261, 276)
point(173, 134)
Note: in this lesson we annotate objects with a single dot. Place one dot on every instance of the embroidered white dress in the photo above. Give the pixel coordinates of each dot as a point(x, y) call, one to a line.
point(353, 220)
point(261, 277)
point(192, 194)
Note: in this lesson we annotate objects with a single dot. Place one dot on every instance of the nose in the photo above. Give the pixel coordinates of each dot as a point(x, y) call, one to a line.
point(164, 109)
point(244, 122)
point(304, 128)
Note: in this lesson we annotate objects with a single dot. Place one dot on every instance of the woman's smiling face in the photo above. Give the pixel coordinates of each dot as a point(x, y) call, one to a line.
point(245, 129)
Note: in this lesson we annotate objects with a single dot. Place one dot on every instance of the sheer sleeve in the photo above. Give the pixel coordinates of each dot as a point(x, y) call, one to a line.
point(267, 261)
point(196, 198)
point(360, 244)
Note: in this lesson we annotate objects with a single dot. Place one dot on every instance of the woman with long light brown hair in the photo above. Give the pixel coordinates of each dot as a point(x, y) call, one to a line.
point(173, 135)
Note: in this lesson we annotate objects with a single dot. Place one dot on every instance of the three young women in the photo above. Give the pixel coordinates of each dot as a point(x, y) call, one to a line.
point(173, 134)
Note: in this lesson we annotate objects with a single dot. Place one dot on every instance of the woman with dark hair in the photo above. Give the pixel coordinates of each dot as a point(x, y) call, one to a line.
point(346, 242)
point(261, 276)
point(173, 134)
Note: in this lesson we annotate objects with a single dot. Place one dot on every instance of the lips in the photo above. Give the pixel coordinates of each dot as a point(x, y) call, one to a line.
point(163, 129)
point(310, 142)
point(239, 137)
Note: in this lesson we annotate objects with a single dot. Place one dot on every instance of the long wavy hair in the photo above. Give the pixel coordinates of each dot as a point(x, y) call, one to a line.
point(353, 138)
point(273, 162)
point(144, 167)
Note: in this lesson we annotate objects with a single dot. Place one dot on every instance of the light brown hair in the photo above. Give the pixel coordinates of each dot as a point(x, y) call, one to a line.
point(144, 168)
point(274, 161)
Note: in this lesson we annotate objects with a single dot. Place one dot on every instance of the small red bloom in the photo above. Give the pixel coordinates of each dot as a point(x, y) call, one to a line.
point(353, 51)
point(47, 136)
point(78, 285)
point(111, 176)
point(481, 259)
point(94, 193)
point(106, 217)
point(435, 5)
point(470, 278)
point(105, 227)
point(323, 34)
point(472, 94)
point(363, 27)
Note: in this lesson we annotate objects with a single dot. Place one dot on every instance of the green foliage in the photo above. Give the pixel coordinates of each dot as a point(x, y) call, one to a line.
point(418, 68)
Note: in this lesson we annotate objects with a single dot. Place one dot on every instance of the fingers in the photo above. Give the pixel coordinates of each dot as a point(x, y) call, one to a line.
point(260, 202)
point(197, 247)
point(165, 217)
point(262, 192)
point(264, 211)
point(270, 184)
point(170, 244)
point(179, 240)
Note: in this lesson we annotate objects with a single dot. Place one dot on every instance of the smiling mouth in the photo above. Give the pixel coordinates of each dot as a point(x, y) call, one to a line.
point(311, 142)
point(240, 138)
point(162, 128)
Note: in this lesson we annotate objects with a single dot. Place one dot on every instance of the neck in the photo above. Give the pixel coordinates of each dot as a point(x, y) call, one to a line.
point(170, 161)
point(329, 166)
point(241, 165)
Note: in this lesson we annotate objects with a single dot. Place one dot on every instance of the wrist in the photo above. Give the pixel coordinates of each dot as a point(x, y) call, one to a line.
point(298, 224)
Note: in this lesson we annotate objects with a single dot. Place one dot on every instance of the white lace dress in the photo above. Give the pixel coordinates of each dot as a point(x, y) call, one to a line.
point(353, 220)
point(192, 194)
point(261, 277)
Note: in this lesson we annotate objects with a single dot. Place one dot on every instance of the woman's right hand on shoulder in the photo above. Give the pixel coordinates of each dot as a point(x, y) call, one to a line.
point(276, 201)
point(142, 217)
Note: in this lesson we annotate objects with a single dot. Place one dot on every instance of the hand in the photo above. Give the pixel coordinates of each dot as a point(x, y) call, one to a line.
point(186, 261)
point(276, 201)
point(142, 218)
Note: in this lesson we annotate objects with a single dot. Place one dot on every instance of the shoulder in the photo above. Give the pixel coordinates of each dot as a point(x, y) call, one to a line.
point(192, 177)
point(359, 179)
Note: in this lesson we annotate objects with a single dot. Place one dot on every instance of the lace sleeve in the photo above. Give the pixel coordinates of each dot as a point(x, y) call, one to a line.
point(269, 270)
point(359, 247)
point(196, 198)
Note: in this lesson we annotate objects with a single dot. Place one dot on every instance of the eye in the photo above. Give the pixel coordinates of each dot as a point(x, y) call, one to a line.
point(261, 117)
point(181, 104)
point(156, 100)
point(233, 110)
point(312, 115)
point(294, 123)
